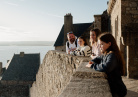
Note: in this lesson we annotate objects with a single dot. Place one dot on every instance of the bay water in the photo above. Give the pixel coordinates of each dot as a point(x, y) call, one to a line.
point(7, 52)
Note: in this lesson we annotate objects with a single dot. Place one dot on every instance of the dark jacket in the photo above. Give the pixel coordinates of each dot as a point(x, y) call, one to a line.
point(108, 64)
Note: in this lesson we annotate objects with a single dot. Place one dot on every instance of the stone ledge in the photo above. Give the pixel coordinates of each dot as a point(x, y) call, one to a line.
point(58, 69)
point(87, 82)
point(84, 72)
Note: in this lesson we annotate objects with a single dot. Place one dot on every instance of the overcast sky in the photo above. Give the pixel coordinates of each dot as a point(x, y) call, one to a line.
point(41, 20)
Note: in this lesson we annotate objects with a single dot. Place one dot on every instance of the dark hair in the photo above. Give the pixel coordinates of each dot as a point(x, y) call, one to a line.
point(83, 38)
point(106, 37)
point(97, 32)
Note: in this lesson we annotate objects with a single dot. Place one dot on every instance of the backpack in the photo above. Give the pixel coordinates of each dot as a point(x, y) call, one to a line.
point(75, 43)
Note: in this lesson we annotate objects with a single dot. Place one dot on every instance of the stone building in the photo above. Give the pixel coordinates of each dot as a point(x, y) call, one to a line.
point(78, 29)
point(124, 27)
point(81, 29)
point(19, 75)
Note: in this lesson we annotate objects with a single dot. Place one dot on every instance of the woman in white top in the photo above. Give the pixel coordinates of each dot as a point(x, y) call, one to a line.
point(94, 33)
point(83, 49)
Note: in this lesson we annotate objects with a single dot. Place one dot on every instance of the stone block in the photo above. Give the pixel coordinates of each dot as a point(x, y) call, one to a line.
point(128, 8)
point(133, 11)
point(133, 4)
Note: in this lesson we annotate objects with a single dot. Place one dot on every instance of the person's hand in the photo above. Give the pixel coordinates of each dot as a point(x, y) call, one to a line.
point(68, 51)
point(88, 65)
point(72, 49)
point(92, 56)
point(90, 62)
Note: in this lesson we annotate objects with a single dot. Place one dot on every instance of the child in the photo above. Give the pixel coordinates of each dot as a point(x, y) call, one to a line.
point(94, 43)
point(83, 49)
point(112, 63)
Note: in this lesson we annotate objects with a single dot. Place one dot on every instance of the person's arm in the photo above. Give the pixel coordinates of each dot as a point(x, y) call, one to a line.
point(96, 60)
point(75, 52)
point(85, 52)
point(108, 66)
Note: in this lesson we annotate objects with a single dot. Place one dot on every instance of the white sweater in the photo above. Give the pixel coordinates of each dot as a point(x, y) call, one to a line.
point(96, 50)
point(82, 51)
point(71, 45)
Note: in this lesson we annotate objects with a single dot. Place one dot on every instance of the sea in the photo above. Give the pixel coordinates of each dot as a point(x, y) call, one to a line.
point(7, 52)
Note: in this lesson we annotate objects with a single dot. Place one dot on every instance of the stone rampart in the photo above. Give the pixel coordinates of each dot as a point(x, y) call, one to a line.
point(56, 72)
point(86, 82)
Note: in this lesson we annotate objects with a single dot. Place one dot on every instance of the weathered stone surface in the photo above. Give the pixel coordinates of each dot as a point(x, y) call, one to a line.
point(86, 82)
point(63, 80)
point(14, 90)
point(124, 25)
point(54, 73)
point(132, 87)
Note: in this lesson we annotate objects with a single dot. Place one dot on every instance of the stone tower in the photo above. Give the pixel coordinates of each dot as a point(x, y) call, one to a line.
point(97, 23)
point(68, 26)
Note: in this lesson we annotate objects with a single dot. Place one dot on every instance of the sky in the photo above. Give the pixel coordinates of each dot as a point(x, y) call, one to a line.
point(42, 20)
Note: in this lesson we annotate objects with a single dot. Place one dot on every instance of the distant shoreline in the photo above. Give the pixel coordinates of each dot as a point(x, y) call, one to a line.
point(27, 43)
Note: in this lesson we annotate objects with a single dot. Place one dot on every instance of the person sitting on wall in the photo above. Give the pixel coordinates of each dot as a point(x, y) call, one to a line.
point(83, 49)
point(71, 44)
point(94, 33)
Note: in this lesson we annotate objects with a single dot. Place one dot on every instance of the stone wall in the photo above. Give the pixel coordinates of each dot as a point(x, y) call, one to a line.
point(60, 48)
point(87, 82)
point(105, 22)
point(124, 27)
point(97, 22)
point(14, 82)
point(14, 90)
point(129, 24)
point(115, 16)
point(114, 10)
point(55, 73)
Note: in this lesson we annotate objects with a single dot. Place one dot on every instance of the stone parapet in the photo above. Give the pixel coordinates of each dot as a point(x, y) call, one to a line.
point(57, 71)
point(86, 82)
